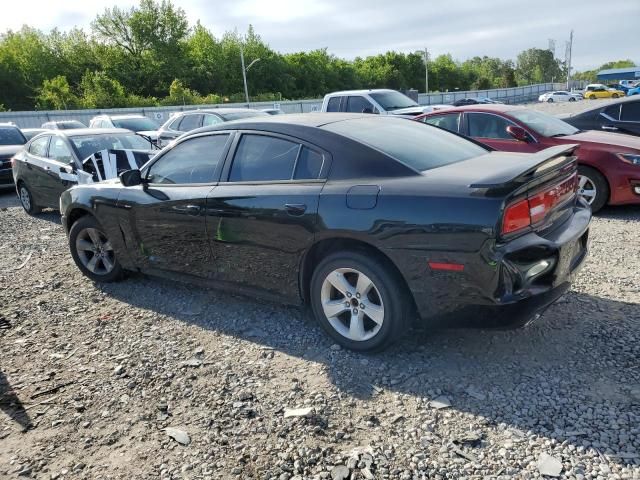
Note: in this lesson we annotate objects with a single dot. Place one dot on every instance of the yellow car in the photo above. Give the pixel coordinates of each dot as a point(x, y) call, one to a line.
point(591, 92)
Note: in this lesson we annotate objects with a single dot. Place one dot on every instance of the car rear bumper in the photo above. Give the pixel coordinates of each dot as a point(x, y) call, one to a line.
point(503, 285)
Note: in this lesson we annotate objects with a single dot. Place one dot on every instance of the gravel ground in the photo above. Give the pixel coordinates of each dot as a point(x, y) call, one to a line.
point(151, 379)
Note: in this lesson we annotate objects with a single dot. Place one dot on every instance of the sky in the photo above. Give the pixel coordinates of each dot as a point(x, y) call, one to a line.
point(349, 28)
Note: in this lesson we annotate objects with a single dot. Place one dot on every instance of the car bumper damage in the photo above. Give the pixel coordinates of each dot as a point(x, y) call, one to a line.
point(504, 285)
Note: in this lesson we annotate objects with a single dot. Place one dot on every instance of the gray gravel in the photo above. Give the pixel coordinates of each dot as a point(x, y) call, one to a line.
point(150, 379)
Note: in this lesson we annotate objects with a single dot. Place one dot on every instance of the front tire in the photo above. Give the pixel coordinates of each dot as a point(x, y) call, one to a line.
point(360, 301)
point(92, 251)
point(572, 99)
point(26, 199)
point(615, 95)
point(593, 187)
point(550, 100)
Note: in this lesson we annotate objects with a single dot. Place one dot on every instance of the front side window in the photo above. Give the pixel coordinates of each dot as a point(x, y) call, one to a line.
point(190, 122)
point(359, 105)
point(210, 119)
point(39, 146)
point(192, 161)
point(333, 105)
point(263, 158)
point(58, 150)
point(448, 121)
point(482, 125)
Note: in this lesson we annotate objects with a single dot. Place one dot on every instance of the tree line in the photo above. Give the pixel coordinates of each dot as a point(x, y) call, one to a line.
point(149, 55)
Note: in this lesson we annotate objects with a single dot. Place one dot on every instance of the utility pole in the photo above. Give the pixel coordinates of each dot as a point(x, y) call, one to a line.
point(426, 70)
point(568, 59)
point(244, 75)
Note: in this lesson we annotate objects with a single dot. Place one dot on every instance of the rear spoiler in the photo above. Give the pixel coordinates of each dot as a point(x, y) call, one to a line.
point(533, 166)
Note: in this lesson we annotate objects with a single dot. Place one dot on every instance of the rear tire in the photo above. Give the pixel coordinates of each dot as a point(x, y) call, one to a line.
point(615, 95)
point(92, 251)
point(592, 97)
point(26, 199)
point(550, 100)
point(360, 301)
point(571, 99)
point(590, 179)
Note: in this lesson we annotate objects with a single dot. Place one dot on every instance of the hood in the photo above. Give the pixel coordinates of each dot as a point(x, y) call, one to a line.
point(605, 138)
point(417, 110)
point(9, 150)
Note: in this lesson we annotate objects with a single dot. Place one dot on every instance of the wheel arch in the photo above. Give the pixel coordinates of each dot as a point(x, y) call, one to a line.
point(75, 214)
point(327, 246)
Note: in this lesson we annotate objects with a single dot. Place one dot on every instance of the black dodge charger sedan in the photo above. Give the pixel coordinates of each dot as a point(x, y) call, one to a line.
point(371, 220)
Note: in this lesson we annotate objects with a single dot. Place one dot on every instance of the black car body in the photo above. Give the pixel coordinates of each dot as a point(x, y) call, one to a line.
point(622, 116)
point(184, 122)
point(269, 206)
point(55, 160)
point(11, 142)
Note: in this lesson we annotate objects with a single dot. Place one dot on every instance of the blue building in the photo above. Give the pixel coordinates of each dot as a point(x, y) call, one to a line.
point(631, 73)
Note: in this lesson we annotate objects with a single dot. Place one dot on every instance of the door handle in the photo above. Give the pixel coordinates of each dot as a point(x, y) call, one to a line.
point(295, 209)
point(610, 128)
point(188, 209)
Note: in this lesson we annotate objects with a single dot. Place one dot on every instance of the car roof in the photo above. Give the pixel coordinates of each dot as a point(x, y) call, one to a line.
point(219, 110)
point(483, 107)
point(362, 92)
point(294, 119)
point(74, 132)
point(121, 117)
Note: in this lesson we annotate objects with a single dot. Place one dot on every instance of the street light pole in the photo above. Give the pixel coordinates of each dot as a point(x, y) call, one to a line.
point(426, 70)
point(244, 73)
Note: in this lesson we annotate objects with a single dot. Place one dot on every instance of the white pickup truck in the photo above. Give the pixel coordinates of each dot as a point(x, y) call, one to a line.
point(380, 101)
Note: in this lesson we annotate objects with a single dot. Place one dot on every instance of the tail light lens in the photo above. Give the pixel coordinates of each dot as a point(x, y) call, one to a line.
point(537, 206)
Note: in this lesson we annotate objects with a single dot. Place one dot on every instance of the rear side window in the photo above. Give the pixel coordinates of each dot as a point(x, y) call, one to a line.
point(333, 105)
point(192, 161)
point(359, 105)
point(448, 122)
point(39, 146)
point(483, 125)
point(210, 119)
point(263, 158)
point(630, 112)
point(309, 164)
point(11, 136)
point(190, 122)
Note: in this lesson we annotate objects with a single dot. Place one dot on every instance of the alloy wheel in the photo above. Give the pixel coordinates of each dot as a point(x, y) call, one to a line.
point(25, 198)
point(352, 304)
point(95, 251)
point(587, 189)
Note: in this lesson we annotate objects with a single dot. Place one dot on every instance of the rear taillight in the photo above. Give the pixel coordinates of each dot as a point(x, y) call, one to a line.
point(536, 207)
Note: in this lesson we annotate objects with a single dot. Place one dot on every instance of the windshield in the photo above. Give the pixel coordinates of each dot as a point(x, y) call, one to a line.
point(393, 100)
point(415, 144)
point(70, 124)
point(11, 136)
point(240, 115)
point(90, 144)
point(138, 124)
point(544, 124)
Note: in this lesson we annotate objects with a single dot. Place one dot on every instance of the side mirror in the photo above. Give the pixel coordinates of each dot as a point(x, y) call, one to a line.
point(131, 178)
point(518, 133)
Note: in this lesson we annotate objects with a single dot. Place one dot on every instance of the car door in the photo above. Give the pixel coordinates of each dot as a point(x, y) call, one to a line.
point(59, 171)
point(263, 216)
point(36, 163)
point(491, 129)
point(166, 214)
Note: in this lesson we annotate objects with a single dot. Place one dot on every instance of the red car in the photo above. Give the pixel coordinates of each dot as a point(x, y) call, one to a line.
point(609, 163)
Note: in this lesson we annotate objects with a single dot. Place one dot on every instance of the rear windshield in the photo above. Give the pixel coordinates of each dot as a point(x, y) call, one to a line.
point(11, 136)
point(240, 115)
point(415, 144)
point(135, 124)
point(90, 144)
point(70, 124)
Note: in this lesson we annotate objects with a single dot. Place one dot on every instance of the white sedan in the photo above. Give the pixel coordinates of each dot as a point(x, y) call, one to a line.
point(559, 96)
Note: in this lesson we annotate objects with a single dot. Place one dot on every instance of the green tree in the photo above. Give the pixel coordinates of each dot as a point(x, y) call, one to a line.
point(538, 66)
point(100, 91)
point(56, 94)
